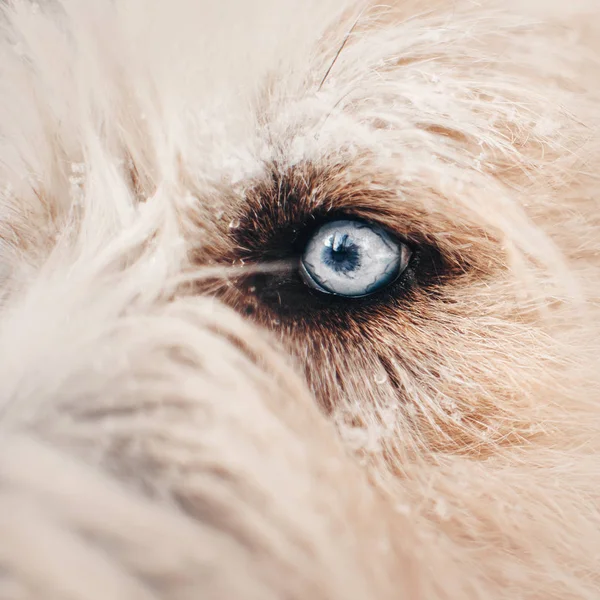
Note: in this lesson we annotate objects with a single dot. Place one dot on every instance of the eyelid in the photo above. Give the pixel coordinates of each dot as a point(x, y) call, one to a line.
point(305, 274)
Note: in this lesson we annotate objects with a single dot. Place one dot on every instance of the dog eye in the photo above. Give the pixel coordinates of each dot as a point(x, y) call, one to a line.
point(352, 259)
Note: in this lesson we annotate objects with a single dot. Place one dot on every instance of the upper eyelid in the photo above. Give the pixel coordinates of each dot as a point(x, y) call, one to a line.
point(281, 211)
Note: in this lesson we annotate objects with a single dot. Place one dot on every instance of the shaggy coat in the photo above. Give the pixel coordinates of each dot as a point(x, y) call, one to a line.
point(181, 417)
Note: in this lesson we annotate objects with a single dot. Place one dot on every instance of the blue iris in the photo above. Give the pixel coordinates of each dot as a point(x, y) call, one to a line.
point(352, 258)
point(340, 254)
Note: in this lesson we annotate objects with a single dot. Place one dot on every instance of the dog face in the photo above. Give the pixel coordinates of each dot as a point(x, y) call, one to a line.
point(400, 205)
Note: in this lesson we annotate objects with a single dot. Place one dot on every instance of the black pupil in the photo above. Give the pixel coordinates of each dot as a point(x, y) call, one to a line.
point(341, 254)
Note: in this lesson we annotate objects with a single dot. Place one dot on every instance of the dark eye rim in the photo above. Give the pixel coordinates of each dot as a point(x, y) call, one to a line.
point(261, 240)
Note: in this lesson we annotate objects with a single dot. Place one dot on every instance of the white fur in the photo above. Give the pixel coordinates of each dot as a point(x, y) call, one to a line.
point(155, 445)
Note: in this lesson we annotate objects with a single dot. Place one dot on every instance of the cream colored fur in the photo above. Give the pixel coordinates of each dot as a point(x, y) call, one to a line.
point(156, 445)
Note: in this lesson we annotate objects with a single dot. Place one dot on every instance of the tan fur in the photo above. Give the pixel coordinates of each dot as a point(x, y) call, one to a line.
point(440, 442)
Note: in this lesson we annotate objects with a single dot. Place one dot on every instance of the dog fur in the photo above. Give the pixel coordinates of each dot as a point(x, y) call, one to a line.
point(181, 418)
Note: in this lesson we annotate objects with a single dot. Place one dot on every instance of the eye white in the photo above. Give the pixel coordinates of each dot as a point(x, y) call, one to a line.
point(352, 258)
